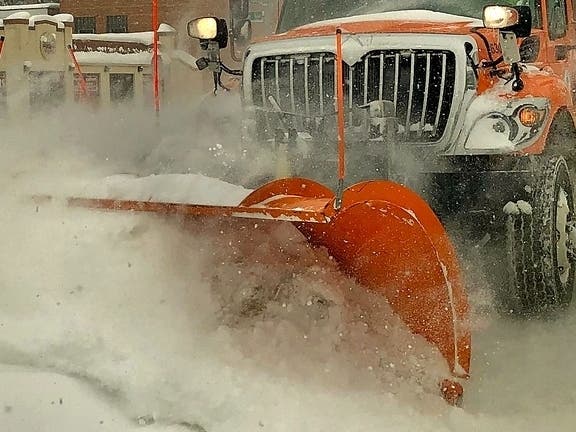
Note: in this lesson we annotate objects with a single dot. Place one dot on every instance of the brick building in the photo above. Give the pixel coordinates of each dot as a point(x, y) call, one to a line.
point(122, 16)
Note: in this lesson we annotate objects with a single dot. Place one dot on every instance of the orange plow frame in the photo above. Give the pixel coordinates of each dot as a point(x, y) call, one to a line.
point(384, 235)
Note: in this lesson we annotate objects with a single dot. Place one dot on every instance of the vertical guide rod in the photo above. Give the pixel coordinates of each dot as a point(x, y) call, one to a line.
point(341, 129)
point(156, 77)
point(81, 78)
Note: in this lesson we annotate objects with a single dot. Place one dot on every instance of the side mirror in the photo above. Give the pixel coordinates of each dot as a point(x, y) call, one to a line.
point(517, 19)
point(239, 9)
point(241, 32)
point(209, 29)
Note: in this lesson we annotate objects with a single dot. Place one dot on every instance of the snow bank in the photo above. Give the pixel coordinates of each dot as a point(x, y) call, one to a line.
point(43, 401)
point(173, 188)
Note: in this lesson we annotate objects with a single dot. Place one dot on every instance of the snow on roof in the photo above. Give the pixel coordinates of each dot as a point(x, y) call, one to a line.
point(30, 6)
point(60, 20)
point(145, 38)
point(165, 28)
point(56, 19)
point(407, 15)
point(113, 58)
point(19, 15)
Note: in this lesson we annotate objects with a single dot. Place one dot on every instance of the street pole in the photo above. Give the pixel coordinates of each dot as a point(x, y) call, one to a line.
point(155, 73)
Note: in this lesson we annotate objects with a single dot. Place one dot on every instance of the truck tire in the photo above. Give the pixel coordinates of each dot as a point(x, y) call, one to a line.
point(541, 242)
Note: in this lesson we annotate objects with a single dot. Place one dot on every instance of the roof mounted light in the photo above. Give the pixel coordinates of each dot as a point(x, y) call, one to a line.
point(209, 29)
point(499, 17)
point(517, 19)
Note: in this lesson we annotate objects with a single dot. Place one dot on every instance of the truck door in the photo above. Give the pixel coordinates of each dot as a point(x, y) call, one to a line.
point(560, 52)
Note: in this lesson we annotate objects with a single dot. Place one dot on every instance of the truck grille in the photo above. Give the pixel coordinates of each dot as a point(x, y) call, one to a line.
point(419, 83)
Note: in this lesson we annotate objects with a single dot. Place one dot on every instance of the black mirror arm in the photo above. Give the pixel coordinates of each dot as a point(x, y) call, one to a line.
point(235, 72)
point(518, 83)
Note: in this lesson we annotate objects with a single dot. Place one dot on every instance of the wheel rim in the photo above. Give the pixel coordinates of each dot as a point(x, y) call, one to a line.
point(565, 236)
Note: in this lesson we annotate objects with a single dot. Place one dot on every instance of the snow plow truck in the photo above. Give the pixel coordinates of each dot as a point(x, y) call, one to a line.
point(469, 103)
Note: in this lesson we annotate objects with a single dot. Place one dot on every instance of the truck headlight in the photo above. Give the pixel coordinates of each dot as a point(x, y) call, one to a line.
point(512, 127)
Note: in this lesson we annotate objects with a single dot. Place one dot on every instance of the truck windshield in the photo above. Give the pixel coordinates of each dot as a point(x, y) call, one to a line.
point(300, 12)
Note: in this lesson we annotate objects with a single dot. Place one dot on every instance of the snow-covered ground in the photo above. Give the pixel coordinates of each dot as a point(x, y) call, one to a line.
point(122, 322)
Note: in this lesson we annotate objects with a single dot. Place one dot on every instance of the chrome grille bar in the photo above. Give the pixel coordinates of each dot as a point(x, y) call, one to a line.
point(396, 81)
point(263, 81)
point(381, 80)
point(410, 94)
point(366, 75)
point(306, 86)
point(277, 78)
point(292, 94)
point(426, 94)
point(442, 90)
point(321, 83)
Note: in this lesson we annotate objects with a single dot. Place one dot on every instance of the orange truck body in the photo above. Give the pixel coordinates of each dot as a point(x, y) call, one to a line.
point(550, 76)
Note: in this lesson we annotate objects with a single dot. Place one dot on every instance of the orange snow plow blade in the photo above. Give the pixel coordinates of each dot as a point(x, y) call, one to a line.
point(384, 235)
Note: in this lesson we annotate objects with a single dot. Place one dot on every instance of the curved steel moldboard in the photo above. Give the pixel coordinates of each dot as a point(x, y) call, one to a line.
point(388, 238)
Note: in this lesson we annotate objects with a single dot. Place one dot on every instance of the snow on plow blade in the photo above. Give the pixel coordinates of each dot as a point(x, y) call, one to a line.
point(384, 235)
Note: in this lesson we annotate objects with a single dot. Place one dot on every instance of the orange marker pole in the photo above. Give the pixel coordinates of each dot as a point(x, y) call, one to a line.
point(1, 43)
point(341, 129)
point(83, 85)
point(156, 77)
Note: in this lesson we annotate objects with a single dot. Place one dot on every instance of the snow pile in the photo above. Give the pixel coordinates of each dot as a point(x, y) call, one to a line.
point(516, 208)
point(173, 188)
point(59, 403)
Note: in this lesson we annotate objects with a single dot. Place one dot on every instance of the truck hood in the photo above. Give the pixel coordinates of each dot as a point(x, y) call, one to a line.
point(413, 21)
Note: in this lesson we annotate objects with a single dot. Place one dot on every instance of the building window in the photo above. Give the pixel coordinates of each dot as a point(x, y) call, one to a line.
point(117, 24)
point(92, 87)
point(47, 89)
point(85, 25)
point(121, 87)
